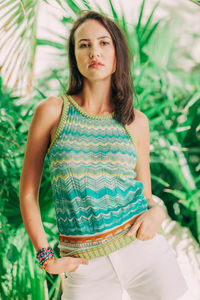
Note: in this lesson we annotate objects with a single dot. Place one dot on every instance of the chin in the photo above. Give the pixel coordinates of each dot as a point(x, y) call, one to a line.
point(97, 76)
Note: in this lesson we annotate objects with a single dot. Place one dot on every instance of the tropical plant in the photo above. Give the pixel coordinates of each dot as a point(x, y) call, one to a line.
point(20, 272)
point(167, 94)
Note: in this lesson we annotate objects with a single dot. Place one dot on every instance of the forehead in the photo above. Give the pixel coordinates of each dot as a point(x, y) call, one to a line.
point(90, 29)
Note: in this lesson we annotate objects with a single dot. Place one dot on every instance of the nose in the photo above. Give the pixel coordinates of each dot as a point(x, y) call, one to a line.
point(94, 52)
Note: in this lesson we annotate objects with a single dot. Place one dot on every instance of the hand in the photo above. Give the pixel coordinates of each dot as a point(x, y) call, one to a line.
point(65, 264)
point(148, 223)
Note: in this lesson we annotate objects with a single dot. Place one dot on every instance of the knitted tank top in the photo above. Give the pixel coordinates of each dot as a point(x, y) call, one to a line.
point(91, 161)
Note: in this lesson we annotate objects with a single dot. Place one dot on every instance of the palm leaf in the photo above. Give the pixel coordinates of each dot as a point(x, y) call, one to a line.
point(18, 36)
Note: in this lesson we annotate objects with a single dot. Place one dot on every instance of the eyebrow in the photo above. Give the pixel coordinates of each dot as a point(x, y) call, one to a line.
point(101, 37)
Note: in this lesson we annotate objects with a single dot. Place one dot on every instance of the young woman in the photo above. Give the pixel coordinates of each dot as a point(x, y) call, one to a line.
point(97, 145)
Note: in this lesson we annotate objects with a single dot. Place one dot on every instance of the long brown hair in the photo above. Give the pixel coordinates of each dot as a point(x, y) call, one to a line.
point(122, 84)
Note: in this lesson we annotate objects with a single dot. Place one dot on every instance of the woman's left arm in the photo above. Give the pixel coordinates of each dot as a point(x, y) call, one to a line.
point(149, 222)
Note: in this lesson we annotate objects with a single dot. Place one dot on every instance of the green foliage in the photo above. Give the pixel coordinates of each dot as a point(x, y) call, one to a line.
point(20, 274)
point(168, 95)
point(20, 43)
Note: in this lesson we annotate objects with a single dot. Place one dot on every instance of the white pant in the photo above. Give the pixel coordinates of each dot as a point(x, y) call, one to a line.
point(147, 270)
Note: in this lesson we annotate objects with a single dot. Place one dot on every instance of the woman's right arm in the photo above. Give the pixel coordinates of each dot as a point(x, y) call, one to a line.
point(46, 115)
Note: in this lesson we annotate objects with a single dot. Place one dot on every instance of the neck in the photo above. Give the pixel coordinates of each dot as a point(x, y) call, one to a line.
point(96, 97)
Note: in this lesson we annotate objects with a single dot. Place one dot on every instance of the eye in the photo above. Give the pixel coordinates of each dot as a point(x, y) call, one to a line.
point(83, 45)
point(105, 43)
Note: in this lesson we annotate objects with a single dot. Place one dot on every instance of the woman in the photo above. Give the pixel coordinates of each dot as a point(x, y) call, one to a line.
point(93, 136)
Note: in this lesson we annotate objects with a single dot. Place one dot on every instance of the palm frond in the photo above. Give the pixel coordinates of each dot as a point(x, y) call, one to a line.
point(18, 43)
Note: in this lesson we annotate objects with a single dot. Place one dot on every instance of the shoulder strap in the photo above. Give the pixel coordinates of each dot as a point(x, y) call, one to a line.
point(61, 123)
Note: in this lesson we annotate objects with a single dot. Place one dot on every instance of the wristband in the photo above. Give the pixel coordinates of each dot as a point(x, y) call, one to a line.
point(44, 255)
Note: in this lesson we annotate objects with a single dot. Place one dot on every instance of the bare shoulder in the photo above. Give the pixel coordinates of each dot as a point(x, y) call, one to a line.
point(141, 121)
point(140, 118)
point(51, 105)
point(45, 119)
point(50, 110)
point(140, 126)
point(45, 115)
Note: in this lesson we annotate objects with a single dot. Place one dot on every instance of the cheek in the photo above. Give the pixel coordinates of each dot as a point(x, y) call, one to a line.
point(79, 59)
point(77, 56)
point(111, 55)
point(81, 62)
point(112, 59)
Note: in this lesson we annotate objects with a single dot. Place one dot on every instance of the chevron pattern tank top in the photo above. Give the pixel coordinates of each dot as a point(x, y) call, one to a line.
point(97, 199)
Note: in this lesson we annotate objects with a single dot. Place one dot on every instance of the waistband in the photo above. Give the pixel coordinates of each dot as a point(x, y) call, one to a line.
point(97, 245)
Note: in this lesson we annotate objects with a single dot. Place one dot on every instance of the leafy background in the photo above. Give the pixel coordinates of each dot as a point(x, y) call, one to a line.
point(168, 95)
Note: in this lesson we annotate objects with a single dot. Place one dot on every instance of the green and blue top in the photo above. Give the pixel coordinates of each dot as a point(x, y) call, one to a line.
point(92, 160)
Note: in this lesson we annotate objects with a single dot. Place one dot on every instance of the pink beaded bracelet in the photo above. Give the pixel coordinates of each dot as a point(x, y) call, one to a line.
point(44, 255)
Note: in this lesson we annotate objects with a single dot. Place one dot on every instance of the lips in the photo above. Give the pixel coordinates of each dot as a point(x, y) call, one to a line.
point(95, 63)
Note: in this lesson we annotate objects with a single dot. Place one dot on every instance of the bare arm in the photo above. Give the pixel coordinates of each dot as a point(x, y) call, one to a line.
point(46, 117)
point(36, 147)
point(143, 151)
point(150, 221)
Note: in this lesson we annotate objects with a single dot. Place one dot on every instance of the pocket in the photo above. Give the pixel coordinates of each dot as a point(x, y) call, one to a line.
point(78, 270)
point(82, 269)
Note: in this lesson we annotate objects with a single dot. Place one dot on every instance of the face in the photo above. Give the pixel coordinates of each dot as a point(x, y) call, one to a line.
point(94, 42)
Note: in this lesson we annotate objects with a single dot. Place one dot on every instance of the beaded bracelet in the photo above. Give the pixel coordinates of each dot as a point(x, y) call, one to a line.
point(44, 255)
